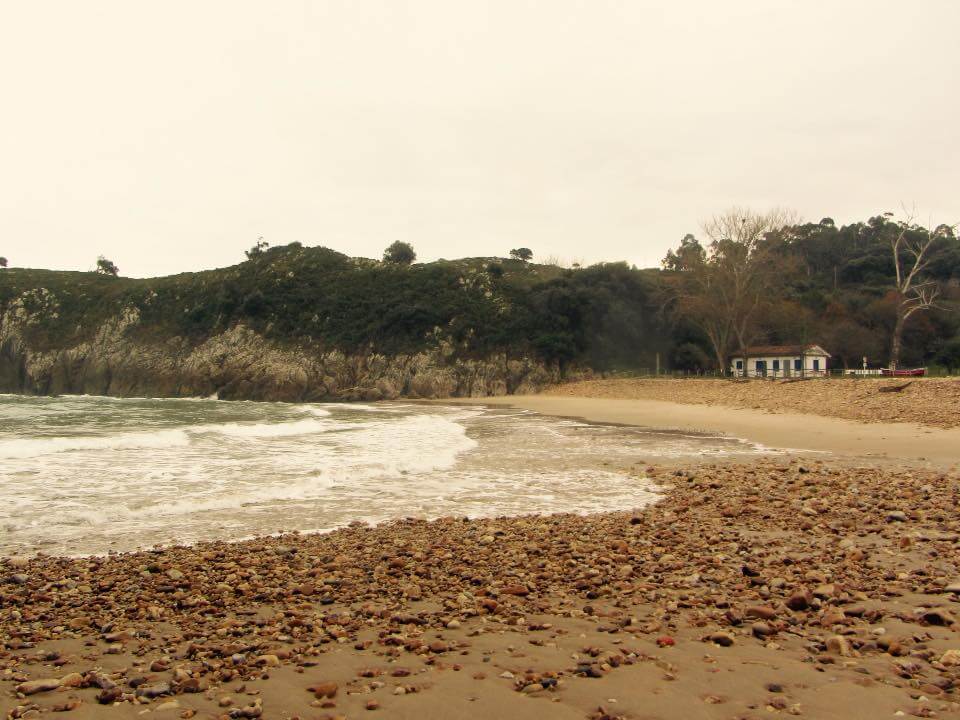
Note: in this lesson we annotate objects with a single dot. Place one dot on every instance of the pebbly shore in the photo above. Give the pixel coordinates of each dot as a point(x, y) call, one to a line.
point(925, 401)
point(786, 587)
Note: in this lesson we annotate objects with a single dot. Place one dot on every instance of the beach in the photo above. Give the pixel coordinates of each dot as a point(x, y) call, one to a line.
point(818, 583)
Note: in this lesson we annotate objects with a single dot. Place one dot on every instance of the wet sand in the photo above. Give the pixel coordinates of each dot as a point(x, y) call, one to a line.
point(921, 444)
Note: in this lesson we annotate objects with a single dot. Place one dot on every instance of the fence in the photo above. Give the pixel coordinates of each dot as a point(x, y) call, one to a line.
point(832, 373)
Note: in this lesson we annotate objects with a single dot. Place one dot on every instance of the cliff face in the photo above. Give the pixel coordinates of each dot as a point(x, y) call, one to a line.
point(241, 364)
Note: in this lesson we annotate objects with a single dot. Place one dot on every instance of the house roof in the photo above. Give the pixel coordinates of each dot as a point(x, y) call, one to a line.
point(774, 350)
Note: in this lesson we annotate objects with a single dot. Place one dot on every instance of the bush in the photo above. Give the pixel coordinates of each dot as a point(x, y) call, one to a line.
point(107, 267)
point(400, 253)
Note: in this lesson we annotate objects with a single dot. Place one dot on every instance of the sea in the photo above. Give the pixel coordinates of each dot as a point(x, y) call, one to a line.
point(86, 475)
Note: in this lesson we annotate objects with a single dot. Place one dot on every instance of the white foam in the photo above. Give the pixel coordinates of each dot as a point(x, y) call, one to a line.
point(264, 430)
point(37, 447)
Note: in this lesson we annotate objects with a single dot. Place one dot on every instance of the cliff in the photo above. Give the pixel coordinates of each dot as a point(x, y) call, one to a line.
point(241, 364)
point(305, 324)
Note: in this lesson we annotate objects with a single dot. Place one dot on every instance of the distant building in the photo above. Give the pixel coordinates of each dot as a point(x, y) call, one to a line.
point(780, 361)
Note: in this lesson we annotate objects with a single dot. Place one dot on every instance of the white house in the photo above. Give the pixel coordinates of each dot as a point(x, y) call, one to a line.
point(780, 361)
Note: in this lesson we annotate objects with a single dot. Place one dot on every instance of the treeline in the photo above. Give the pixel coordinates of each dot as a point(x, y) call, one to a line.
point(604, 316)
point(885, 289)
point(752, 278)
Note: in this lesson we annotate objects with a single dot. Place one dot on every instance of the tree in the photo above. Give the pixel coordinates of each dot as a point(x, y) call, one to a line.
point(3, 262)
point(689, 255)
point(722, 289)
point(107, 267)
point(523, 254)
point(257, 250)
point(400, 253)
point(913, 247)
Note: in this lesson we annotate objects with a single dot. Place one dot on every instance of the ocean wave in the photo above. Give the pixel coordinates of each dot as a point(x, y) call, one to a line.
point(36, 447)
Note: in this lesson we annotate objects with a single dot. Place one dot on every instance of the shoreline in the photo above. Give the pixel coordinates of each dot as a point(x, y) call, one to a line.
point(784, 585)
point(794, 432)
point(754, 586)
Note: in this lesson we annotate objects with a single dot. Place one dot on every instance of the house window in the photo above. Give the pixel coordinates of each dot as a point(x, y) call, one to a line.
point(739, 364)
point(776, 365)
point(816, 363)
point(798, 364)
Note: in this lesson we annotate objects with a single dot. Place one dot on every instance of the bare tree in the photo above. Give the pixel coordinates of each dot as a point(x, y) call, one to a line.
point(722, 289)
point(913, 247)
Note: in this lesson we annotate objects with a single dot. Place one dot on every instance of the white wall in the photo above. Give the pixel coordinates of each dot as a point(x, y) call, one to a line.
point(786, 365)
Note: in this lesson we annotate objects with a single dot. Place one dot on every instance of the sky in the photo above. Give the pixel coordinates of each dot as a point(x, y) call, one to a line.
point(170, 136)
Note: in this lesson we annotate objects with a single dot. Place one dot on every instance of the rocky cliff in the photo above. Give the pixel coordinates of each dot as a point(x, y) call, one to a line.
point(239, 364)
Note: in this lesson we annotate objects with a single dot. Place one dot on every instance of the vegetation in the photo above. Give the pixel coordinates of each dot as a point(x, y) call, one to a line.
point(106, 267)
point(757, 278)
point(400, 253)
point(318, 298)
point(851, 289)
point(257, 250)
point(3, 262)
point(523, 254)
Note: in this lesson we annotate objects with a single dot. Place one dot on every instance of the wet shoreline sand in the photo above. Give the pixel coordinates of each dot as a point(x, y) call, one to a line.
point(936, 447)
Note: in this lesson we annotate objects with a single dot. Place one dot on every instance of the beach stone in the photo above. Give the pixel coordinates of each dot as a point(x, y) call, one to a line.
point(32, 687)
point(153, 690)
point(760, 611)
point(19, 579)
point(799, 600)
point(938, 617)
point(18, 561)
point(761, 629)
point(516, 589)
point(721, 638)
point(175, 574)
point(951, 658)
point(110, 695)
point(896, 516)
point(838, 645)
point(953, 587)
point(324, 689)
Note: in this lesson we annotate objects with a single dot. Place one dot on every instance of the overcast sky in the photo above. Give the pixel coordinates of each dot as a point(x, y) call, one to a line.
point(169, 136)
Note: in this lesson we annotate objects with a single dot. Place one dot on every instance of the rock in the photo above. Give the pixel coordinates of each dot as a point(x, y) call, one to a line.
point(19, 579)
point(721, 638)
point(153, 690)
point(175, 574)
point(438, 646)
point(799, 601)
point(666, 641)
point(839, 645)
point(324, 689)
point(267, 661)
point(761, 629)
point(109, 695)
point(520, 590)
point(372, 705)
point(896, 516)
point(936, 616)
point(31, 687)
point(951, 658)
point(760, 611)
point(953, 587)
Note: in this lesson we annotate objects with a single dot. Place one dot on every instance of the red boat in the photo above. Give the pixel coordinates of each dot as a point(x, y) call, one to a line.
point(915, 372)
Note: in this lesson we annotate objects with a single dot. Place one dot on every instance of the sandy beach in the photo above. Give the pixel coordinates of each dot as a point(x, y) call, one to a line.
point(813, 584)
point(878, 441)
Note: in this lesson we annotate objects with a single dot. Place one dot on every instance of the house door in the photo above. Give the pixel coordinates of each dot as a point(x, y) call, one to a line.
point(761, 367)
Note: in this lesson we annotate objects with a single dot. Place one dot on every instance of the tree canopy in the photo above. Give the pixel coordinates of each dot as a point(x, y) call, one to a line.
point(107, 267)
point(400, 253)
